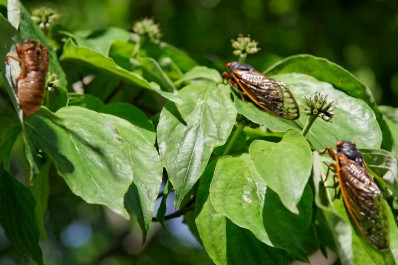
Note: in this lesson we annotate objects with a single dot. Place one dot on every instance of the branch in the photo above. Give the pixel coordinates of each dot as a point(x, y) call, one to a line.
point(189, 206)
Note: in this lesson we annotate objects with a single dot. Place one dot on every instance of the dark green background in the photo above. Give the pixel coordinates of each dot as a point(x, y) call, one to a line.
point(361, 36)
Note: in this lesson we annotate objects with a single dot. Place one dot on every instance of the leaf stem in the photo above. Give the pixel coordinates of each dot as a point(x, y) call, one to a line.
point(309, 123)
point(47, 97)
point(235, 136)
point(242, 58)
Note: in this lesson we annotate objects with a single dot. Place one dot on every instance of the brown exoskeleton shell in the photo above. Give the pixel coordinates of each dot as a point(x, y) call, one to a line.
point(30, 84)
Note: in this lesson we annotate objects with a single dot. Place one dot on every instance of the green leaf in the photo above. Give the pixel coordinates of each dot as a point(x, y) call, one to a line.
point(161, 51)
point(341, 79)
point(103, 159)
point(236, 181)
point(17, 216)
point(153, 72)
point(294, 226)
point(225, 242)
point(393, 237)
point(40, 190)
point(345, 124)
point(200, 74)
point(121, 52)
point(85, 100)
point(188, 132)
point(133, 115)
point(9, 71)
point(163, 206)
point(171, 69)
point(32, 162)
point(99, 40)
point(252, 206)
point(391, 117)
point(9, 133)
point(284, 166)
point(354, 120)
point(382, 164)
point(261, 117)
point(98, 61)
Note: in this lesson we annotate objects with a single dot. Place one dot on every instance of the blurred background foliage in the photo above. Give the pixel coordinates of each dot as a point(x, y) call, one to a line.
point(361, 36)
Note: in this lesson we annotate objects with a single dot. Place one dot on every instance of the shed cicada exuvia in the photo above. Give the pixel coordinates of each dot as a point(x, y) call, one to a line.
point(30, 84)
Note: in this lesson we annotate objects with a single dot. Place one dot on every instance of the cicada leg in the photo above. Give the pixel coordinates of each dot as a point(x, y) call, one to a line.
point(230, 80)
point(333, 166)
point(8, 57)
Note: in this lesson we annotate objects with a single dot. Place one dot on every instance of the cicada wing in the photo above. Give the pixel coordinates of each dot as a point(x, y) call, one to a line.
point(364, 202)
point(269, 94)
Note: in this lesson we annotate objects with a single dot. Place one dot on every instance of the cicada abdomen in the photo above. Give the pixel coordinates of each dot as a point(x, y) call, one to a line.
point(267, 93)
point(30, 84)
point(362, 197)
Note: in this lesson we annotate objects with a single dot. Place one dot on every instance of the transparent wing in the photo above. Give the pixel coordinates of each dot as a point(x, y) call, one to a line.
point(364, 202)
point(269, 94)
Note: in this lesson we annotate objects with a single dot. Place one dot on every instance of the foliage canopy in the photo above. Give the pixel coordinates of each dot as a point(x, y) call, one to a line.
point(128, 116)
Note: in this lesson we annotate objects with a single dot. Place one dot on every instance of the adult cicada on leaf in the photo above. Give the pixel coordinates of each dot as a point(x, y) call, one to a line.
point(269, 94)
point(362, 197)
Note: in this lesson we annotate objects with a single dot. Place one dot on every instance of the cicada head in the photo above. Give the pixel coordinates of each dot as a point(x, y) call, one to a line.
point(350, 150)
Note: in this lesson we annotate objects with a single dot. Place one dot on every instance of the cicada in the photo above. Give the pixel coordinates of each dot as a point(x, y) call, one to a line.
point(269, 94)
point(30, 84)
point(361, 195)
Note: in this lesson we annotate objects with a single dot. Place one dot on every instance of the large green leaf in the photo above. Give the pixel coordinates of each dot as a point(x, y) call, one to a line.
point(98, 61)
point(99, 40)
point(382, 164)
point(102, 158)
point(133, 115)
point(188, 132)
point(146, 181)
point(200, 74)
point(341, 79)
point(391, 116)
point(9, 132)
point(17, 216)
point(238, 192)
point(85, 100)
point(152, 71)
point(284, 166)
point(164, 51)
point(11, 70)
point(40, 189)
point(258, 116)
point(354, 119)
point(225, 242)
